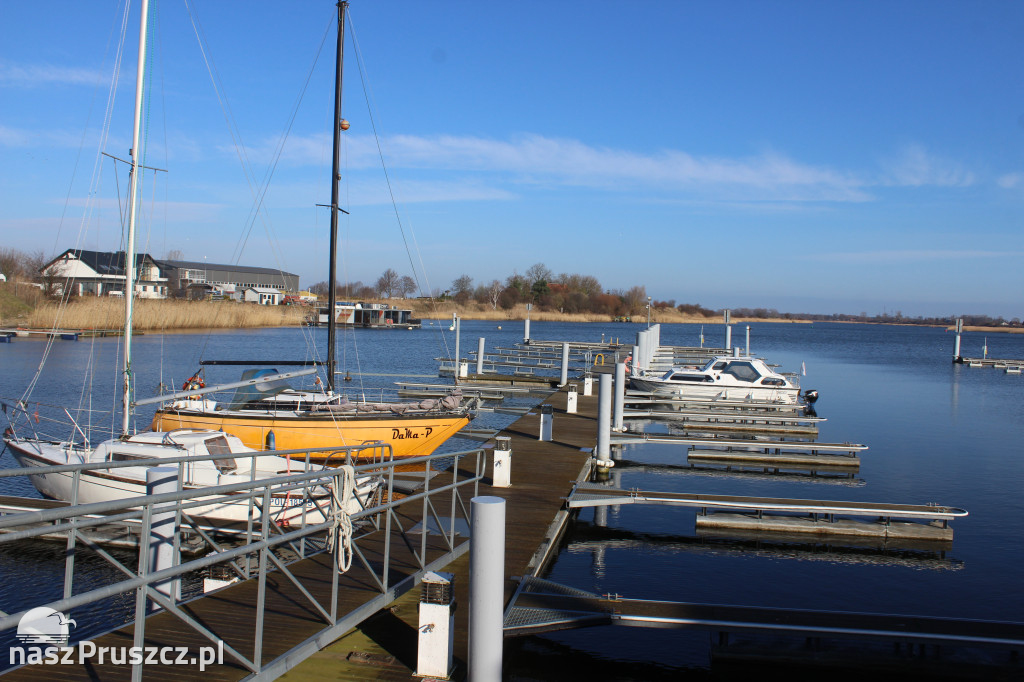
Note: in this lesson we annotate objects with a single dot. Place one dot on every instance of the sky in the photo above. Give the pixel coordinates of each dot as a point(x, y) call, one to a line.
point(809, 157)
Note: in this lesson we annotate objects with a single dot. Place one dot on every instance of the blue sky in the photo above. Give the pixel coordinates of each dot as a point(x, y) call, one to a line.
point(809, 157)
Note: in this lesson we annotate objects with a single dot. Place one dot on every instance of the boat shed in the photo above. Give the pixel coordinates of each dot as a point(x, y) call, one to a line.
point(263, 295)
point(183, 274)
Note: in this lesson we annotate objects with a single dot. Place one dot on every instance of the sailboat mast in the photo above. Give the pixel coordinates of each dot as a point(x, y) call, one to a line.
point(129, 254)
point(332, 296)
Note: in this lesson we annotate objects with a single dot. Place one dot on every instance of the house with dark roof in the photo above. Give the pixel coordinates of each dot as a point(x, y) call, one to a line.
point(101, 273)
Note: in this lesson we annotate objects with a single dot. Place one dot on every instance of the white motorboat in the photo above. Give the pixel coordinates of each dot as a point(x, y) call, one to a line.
point(288, 505)
point(727, 378)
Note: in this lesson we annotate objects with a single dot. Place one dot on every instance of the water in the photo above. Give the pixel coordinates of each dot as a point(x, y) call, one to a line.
point(936, 432)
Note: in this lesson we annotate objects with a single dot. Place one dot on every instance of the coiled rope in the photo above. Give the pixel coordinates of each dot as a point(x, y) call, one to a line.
point(339, 538)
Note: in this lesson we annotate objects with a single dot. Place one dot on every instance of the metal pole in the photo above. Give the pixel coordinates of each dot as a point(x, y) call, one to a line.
point(486, 588)
point(959, 331)
point(162, 528)
point(332, 275)
point(748, 340)
point(526, 331)
point(648, 312)
point(480, 355)
point(604, 420)
point(620, 394)
point(635, 366)
point(564, 377)
point(728, 330)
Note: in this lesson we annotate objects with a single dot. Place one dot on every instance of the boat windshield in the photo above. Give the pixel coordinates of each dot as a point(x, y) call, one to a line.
point(256, 392)
point(219, 446)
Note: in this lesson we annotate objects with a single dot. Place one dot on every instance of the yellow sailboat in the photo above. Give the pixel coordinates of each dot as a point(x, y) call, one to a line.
point(266, 412)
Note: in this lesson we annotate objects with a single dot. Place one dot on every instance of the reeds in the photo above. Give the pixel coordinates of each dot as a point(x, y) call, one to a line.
point(162, 315)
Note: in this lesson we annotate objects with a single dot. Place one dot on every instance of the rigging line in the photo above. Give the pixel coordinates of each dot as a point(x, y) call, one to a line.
point(364, 80)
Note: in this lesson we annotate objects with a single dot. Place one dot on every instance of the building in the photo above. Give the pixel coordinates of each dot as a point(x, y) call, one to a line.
point(101, 273)
point(183, 275)
point(262, 295)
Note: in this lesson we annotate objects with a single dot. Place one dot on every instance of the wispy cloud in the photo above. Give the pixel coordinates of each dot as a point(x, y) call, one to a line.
point(907, 256)
point(38, 75)
point(1010, 180)
point(915, 166)
point(537, 160)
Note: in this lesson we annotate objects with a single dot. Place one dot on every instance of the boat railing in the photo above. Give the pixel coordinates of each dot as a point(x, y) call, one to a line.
point(250, 548)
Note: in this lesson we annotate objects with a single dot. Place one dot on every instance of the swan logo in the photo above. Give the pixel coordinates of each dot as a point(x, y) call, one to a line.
point(45, 626)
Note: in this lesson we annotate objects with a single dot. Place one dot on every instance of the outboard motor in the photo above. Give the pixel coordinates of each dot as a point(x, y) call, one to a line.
point(810, 396)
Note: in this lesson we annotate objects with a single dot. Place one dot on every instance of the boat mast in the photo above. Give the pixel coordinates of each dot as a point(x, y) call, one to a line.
point(129, 254)
point(332, 296)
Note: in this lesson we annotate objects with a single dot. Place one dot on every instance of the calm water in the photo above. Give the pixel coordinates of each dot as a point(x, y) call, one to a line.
point(936, 432)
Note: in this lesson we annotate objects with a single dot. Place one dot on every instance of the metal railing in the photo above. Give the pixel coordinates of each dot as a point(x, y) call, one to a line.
point(263, 538)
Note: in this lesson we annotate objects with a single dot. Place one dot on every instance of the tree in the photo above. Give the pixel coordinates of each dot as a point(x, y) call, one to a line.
point(387, 284)
point(494, 293)
point(406, 286)
point(175, 254)
point(635, 299)
point(539, 273)
point(462, 288)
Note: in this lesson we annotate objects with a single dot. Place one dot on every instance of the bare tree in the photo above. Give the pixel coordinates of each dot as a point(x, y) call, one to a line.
point(175, 254)
point(406, 286)
point(494, 290)
point(387, 284)
point(539, 273)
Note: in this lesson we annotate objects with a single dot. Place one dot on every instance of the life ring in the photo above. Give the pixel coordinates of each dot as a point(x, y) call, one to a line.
point(194, 383)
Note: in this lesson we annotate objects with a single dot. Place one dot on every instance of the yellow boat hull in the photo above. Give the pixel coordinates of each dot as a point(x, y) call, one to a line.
point(408, 436)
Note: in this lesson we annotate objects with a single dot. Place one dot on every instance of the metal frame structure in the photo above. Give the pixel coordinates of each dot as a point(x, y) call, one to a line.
point(262, 537)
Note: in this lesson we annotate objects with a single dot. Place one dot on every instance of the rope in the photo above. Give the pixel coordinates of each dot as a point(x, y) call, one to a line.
point(339, 538)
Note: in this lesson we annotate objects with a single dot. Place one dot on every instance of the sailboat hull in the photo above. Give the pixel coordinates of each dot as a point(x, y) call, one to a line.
point(409, 436)
point(128, 482)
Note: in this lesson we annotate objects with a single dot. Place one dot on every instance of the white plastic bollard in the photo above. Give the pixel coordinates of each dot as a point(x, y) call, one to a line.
point(571, 399)
point(545, 422)
point(501, 472)
point(486, 588)
point(437, 625)
point(161, 528)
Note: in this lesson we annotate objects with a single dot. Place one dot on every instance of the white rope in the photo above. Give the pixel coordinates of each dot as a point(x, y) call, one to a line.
point(339, 538)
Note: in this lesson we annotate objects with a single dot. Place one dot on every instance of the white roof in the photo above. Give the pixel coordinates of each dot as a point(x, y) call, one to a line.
point(264, 290)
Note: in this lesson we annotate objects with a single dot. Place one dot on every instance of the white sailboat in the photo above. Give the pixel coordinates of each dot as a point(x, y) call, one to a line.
point(231, 464)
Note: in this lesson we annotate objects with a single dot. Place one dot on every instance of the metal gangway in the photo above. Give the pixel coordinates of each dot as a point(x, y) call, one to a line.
point(293, 587)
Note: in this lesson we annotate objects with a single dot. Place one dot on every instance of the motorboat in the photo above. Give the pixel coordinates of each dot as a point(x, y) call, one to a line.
point(727, 378)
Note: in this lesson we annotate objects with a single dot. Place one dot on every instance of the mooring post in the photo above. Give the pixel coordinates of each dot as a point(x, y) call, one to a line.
point(437, 625)
point(501, 472)
point(571, 399)
point(526, 331)
point(458, 362)
point(748, 340)
point(956, 345)
point(564, 377)
point(161, 528)
point(604, 421)
point(486, 588)
point(588, 383)
point(634, 367)
point(546, 415)
point(480, 355)
point(728, 331)
point(620, 395)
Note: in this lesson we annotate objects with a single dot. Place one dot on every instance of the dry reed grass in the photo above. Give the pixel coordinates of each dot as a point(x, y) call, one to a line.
point(159, 315)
